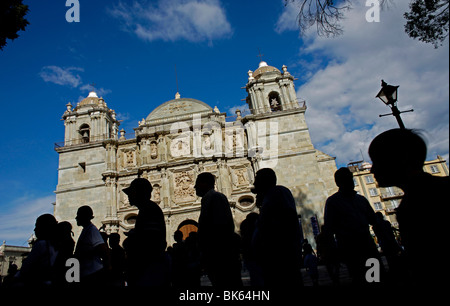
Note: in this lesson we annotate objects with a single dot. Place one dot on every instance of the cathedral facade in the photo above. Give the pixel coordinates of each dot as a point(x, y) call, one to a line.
point(182, 138)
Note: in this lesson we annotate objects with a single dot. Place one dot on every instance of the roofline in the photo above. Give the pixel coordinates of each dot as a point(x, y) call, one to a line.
point(179, 100)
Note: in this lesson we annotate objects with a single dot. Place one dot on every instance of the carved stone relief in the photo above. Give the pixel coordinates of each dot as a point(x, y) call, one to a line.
point(156, 193)
point(153, 150)
point(208, 144)
point(180, 146)
point(242, 176)
point(123, 199)
point(234, 142)
point(183, 183)
point(239, 177)
point(127, 158)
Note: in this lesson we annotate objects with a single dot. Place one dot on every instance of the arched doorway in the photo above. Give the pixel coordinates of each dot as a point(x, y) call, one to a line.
point(187, 226)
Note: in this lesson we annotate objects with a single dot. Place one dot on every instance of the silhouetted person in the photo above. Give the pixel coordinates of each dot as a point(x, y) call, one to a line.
point(65, 246)
point(328, 253)
point(277, 240)
point(389, 245)
point(117, 255)
point(398, 157)
point(193, 269)
point(91, 250)
point(348, 216)
point(38, 268)
point(248, 227)
point(104, 235)
point(147, 263)
point(179, 261)
point(220, 254)
point(310, 263)
point(9, 279)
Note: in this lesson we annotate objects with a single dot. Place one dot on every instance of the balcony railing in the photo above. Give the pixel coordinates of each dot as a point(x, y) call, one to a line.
point(390, 210)
point(392, 195)
point(82, 141)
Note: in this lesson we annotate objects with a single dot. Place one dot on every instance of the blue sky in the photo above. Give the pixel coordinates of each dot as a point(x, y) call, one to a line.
point(130, 49)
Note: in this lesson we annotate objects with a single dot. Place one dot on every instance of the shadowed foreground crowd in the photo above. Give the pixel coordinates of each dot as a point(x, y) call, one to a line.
point(270, 245)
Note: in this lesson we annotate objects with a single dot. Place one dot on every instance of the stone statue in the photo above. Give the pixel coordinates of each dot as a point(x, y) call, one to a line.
point(153, 150)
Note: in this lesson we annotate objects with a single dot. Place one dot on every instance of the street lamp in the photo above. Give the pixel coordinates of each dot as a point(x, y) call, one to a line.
point(388, 94)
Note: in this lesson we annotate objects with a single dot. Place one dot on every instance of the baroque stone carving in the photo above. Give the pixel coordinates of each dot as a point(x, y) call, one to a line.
point(129, 160)
point(241, 176)
point(180, 147)
point(153, 150)
point(124, 202)
point(184, 186)
point(156, 193)
point(208, 144)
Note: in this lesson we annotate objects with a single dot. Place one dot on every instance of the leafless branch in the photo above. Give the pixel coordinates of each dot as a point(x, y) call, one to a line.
point(324, 14)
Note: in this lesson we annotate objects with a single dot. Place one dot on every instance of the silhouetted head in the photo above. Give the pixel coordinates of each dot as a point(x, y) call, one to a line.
point(379, 215)
point(178, 236)
point(105, 236)
point(139, 191)
point(45, 226)
point(204, 183)
point(264, 180)
point(64, 229)
point(114, 239)
point(344, 179)
point(249, 223)
point(12, 269)
point(84, 215)
point(397, 155)
point(307, 248)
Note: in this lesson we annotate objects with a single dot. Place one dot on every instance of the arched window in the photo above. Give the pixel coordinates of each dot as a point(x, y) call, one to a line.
point(275, 101)
point(85, 133)
point(187, 226)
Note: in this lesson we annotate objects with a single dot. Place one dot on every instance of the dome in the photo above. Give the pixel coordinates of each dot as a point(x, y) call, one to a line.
point(179, 107)
point(92, 98)
point(264, 68)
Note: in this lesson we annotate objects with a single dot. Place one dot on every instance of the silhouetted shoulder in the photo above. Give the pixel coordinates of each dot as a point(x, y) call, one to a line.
point(333, 197)
point(439, 181)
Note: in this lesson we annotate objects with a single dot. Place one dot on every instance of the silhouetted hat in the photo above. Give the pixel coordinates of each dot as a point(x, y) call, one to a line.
point(138, 184)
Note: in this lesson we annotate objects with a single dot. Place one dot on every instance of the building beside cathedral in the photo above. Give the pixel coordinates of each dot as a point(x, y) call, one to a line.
point(182, 138)
point(387, 199)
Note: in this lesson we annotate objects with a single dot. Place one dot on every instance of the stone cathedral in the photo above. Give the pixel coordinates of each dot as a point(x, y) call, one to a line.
point(182, 138)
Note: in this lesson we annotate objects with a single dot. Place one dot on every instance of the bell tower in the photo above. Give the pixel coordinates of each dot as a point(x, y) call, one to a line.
point(90, 144)
point(90, 121)
point(278, 132)
point(270, 90)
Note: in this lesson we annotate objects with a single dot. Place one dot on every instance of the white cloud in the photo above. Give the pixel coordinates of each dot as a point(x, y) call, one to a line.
point(172, 20)
point(243, 108)
point(61, 76)
point(17, 223)
point(69, 77)
point(123, 116)
point(100, 91)
point(288, 20)
point(340, 92)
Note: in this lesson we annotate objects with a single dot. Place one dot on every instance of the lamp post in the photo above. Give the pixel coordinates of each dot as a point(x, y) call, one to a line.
point(388, 94)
